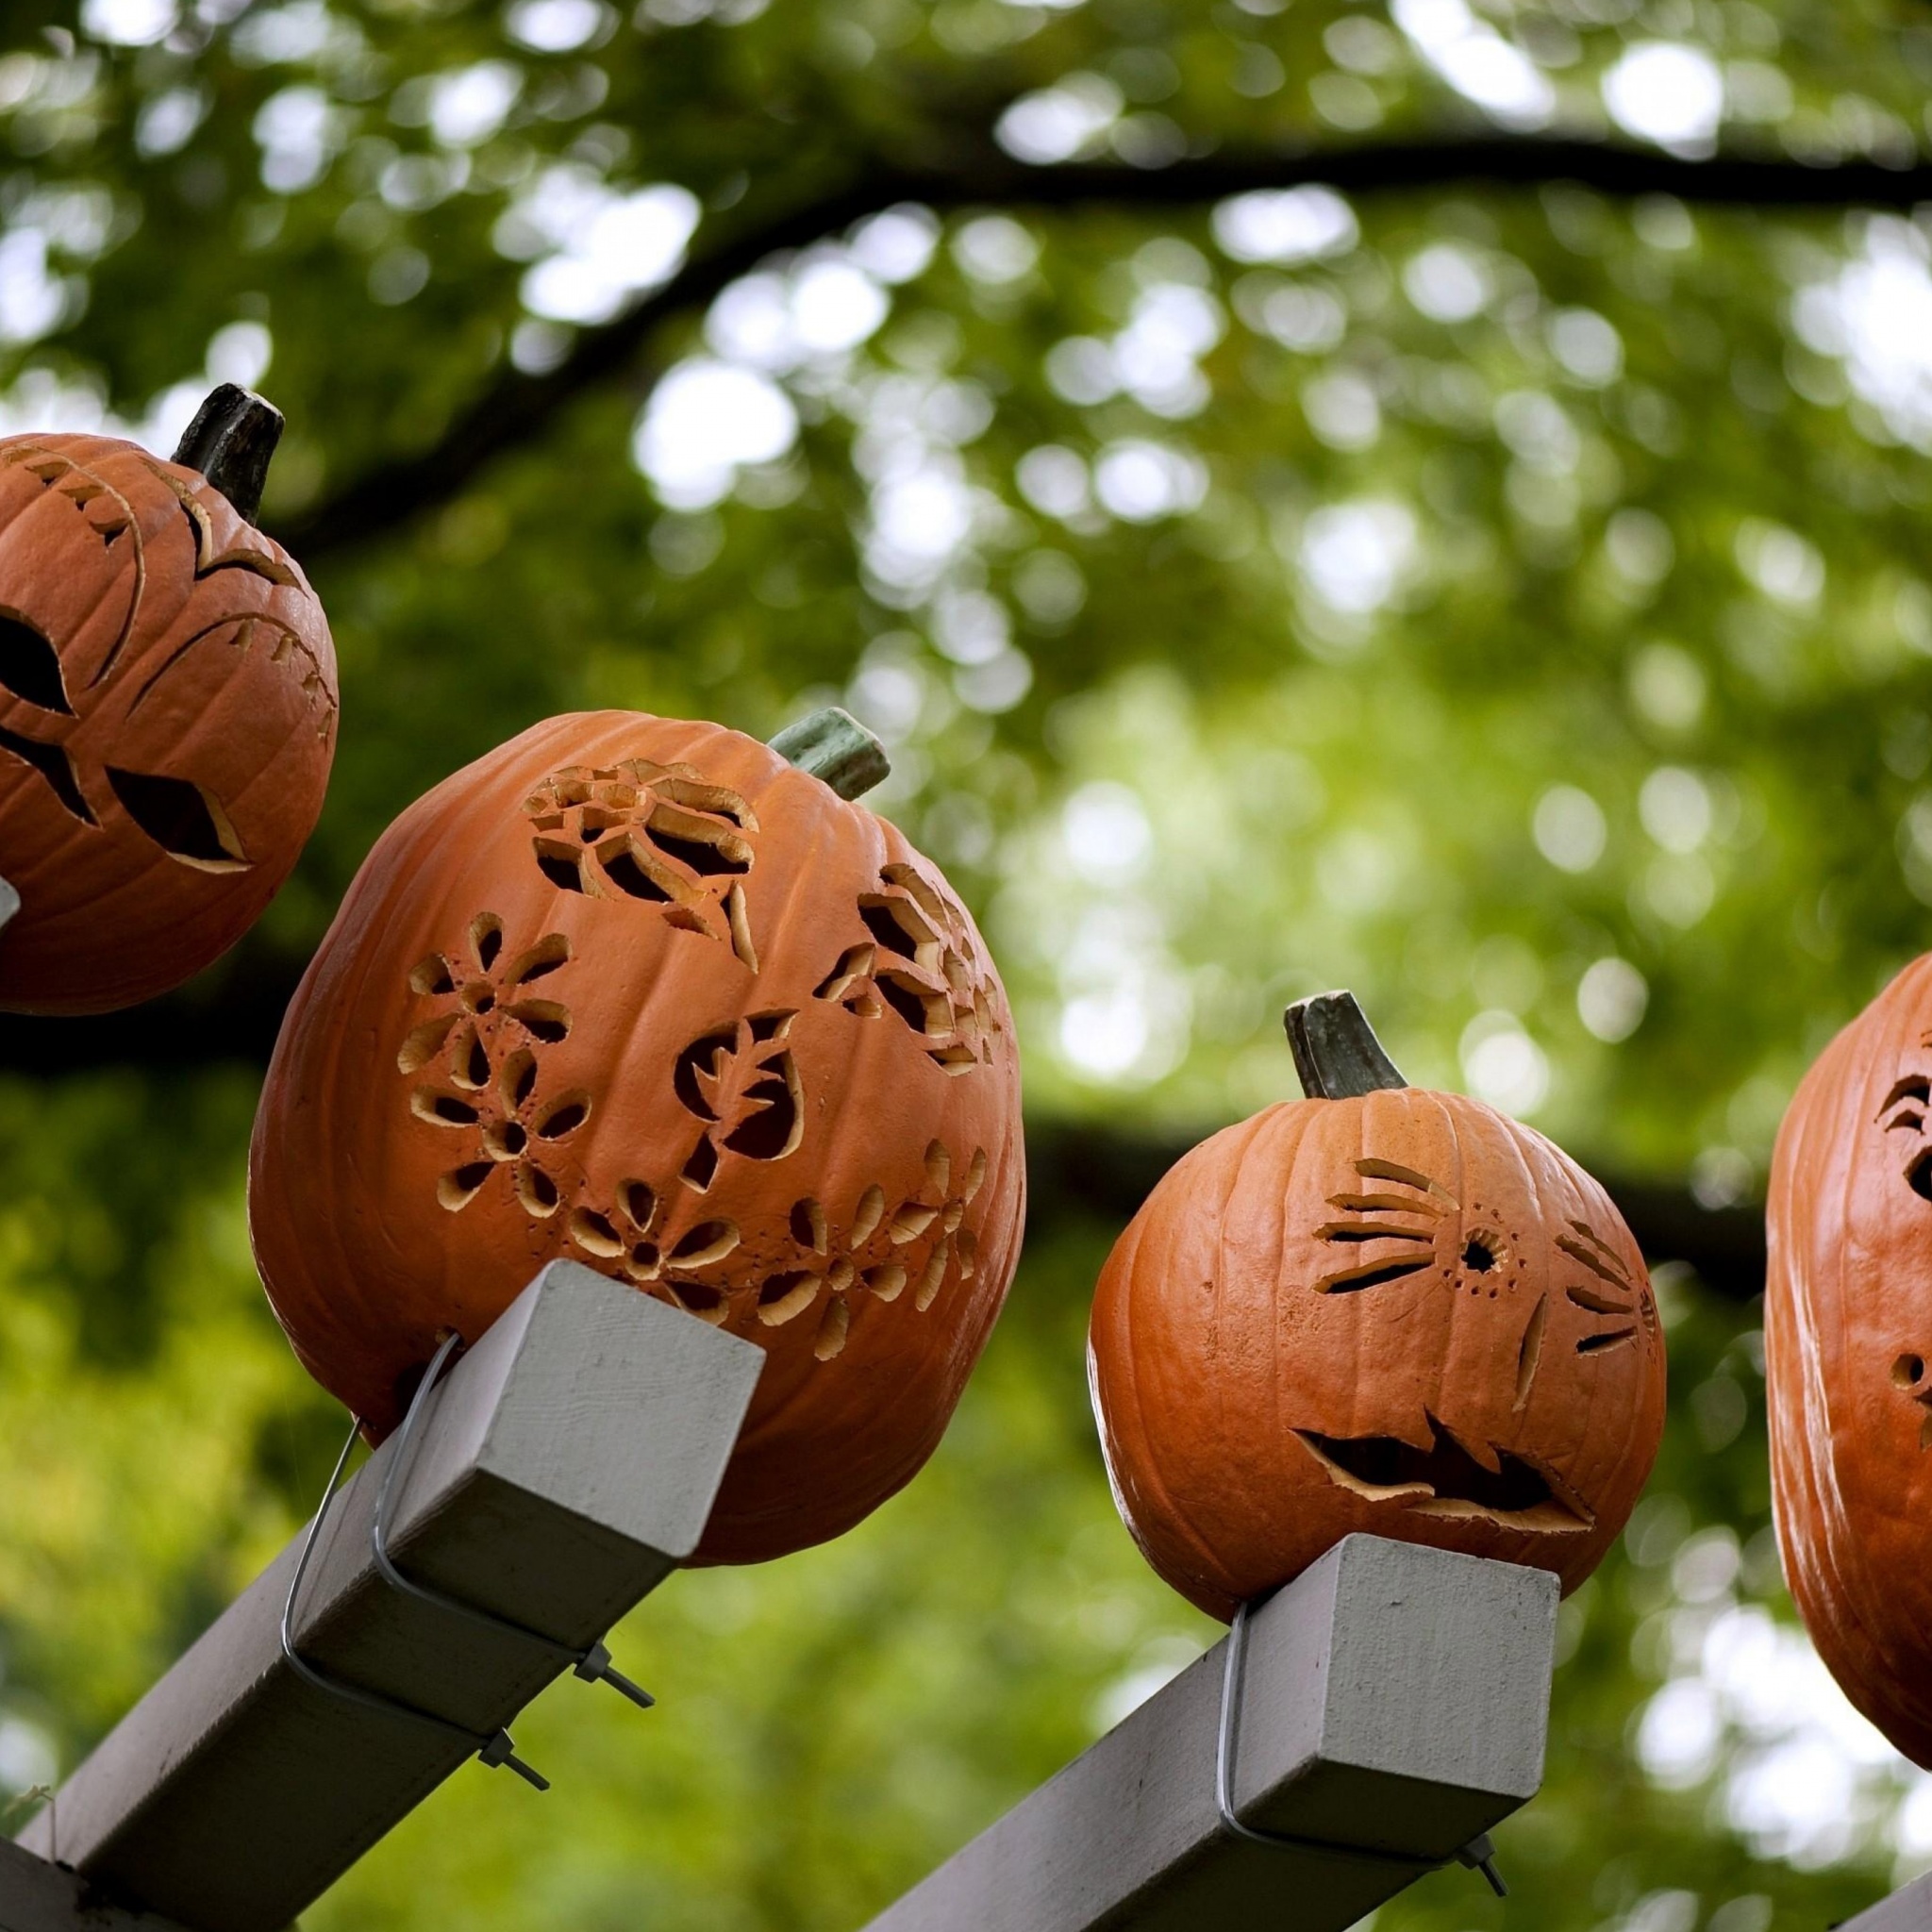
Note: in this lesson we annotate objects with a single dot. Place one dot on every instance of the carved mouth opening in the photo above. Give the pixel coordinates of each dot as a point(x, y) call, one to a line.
point(1445, 1479)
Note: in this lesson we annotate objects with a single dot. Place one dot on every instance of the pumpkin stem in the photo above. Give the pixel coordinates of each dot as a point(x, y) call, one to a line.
point(230, 441)
point(833, 745)
point(1336, 1051)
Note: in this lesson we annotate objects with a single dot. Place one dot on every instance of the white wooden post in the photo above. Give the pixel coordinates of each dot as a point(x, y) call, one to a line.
point(1908, 1910)
point(1395, 1705)
point(566, 1464)
point(36, 1897)
point(1392, 1706)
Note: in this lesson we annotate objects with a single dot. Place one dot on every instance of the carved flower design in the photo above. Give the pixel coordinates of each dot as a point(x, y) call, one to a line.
point(629, 1234)
point(483, 1044)
point(662, 834)
point(481, 997)
point(514, 1127)
point(919, 965)
point(876, 1254)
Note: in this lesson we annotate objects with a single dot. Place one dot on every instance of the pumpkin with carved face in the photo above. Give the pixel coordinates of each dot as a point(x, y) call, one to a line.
point(645, 994)
point(1847, 1345)
point(1377, 1309)
point(167, 715)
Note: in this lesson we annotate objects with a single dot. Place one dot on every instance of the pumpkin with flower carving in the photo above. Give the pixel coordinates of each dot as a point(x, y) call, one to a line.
point(647, 994)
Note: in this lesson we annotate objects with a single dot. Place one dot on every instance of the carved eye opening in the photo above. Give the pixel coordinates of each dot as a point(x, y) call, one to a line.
point(185, 820)
point(30, 666)
point(1479, 1254)
point(1908, 1371)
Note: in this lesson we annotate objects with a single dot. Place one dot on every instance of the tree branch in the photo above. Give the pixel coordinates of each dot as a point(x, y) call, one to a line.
point(1104, 1171)
point(516, 407)
point(1088, 1170)
point(232, 1013)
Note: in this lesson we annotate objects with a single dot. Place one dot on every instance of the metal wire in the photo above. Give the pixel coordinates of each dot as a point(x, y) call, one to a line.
point(493, 1747)
point(592, 1664)
point(1478, 1854)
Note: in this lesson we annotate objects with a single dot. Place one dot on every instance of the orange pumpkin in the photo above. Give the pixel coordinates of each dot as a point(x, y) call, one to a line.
point(167, 708)
point(1847, 1338)
point(645, 994)
point(1381, 1309)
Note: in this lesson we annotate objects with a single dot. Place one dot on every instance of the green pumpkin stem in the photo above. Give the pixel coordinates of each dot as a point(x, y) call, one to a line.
point(230, 441)
point(1336, 1051)
point(833, 745)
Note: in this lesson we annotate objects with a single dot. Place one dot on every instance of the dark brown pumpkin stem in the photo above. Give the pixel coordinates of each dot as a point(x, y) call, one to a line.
point(230, 441)
point(1336, 1051)
point(833, 745)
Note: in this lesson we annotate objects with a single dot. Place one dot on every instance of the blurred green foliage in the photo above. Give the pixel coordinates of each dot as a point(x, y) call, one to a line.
point(1509, 604)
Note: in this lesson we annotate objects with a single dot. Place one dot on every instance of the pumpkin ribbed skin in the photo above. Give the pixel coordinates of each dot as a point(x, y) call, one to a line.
point(754, 1059)
point(167, 720)
point(1847, 1340)
point(1400, 1313)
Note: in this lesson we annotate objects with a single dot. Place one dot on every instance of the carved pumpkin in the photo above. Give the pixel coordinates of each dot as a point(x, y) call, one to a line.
point(1375, 1309)
point(1847, 1338)
point(167, 707)
point(642, 994)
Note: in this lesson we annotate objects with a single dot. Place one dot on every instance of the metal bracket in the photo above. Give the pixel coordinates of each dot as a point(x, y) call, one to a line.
point(592, 1664)
point(492, 1748)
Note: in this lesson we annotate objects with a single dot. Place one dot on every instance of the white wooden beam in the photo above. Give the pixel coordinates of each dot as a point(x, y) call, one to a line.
point(36, 1897)
point(1908, 1910)
point(565, 1465)
point(1396, 1706)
